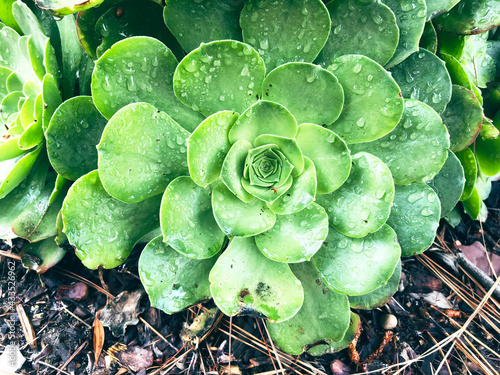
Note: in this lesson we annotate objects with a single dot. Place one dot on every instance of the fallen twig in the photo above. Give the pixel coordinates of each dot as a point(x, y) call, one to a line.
point(477, 274)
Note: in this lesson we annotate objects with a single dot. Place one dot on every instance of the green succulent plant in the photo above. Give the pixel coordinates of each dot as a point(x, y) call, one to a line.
point(276, 156)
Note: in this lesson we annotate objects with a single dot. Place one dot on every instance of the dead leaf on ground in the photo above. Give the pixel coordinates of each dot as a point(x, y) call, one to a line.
point(476, 254)
point(136, 358)
point(434, 298)
point(121, 312)
point(28, 331)
point(98, 338)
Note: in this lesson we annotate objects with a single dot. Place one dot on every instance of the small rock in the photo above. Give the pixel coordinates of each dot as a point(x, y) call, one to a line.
point(339, 368)
point(76, 292)
point(388, 321)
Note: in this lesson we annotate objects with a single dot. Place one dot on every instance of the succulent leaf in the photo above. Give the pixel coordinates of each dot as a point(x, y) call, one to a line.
point(195, 22)
point(139, 69)
point(243, 280)
point(237, 218)
point(9, 105)
point(300, 332)
point(423, 76)
point(233, 168)
point(415, 217)
point(479, 65)
point(41, 256)
point(141, 150)
point(173, 281)
point(72, 135)
point(419, 135)
point(469, 164)
point(6, 15)
point(22, 196)
point(295, 237)
point(108, 229)
point(429, 39)
point(71, 55)
point(436, 7)
point(373, 104)
point(14, 171)
point(301, 193)
point(457, 72)
point(46, 227)
point(363, 203)
point(357, 26)
point(51, 97)
point(379, 296)
point(39, 47)
point(463, 118)
point(488, 155)
point(232, 81)
point(267, 194)
point(449, 183)
point(208, 146)
point(470, 17)
point(410, 18)
point(336, 346)
point(4, 76)
point(187, 220)
point(29, 220)
point(473, 204)
point(61, 239)
point(263, 117)
point(285, 41)
point(14, 54)
point(328, 152)
point(357, 266)
point(9, 149)
point(312, 94)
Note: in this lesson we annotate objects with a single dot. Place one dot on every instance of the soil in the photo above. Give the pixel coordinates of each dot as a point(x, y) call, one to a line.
point(61, 307)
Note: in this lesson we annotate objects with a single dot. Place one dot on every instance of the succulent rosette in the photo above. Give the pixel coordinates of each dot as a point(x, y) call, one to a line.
point(276, 156)
point(263, 197)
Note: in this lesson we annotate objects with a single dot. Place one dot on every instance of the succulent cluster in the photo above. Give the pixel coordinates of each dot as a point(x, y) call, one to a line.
point(282, 167)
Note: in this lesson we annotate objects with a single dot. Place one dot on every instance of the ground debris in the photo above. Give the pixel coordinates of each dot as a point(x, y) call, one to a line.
point(122, 312)
point(77, 292)
point(136, 358)
point(434, 298)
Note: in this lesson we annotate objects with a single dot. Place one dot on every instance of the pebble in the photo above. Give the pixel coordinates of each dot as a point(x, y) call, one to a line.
point(388, 321)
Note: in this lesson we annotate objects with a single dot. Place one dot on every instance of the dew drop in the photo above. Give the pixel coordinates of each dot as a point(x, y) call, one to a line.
point(426, 211)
